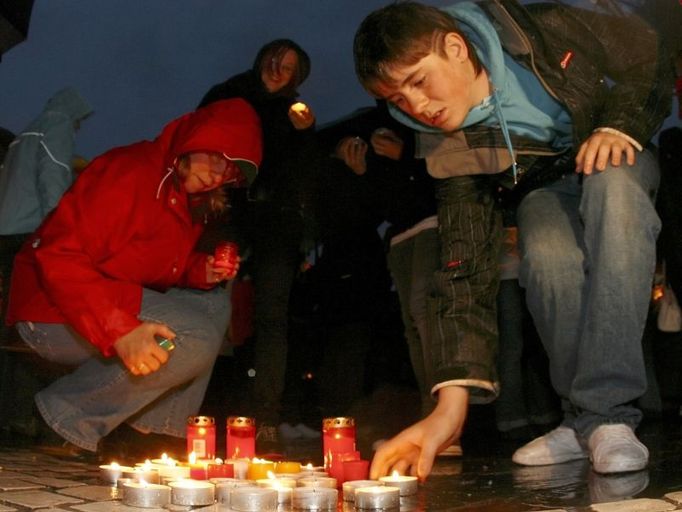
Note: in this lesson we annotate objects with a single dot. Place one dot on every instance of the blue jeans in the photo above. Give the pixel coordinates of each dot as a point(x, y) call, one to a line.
point(412, 263)
point(588, 257)
point(100, 394)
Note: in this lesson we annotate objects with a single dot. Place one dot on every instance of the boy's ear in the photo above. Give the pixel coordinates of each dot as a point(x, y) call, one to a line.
point(455, 47)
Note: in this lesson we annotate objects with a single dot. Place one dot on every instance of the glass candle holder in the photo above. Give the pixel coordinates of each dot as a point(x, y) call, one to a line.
point(241, 437)
point(338, 436)
point(201, 436)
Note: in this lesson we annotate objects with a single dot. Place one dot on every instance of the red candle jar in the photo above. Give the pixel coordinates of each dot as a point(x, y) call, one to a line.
point(338, 436)
point(226, 254)
point(241, 437)
point(201, 437)
point(355, 470)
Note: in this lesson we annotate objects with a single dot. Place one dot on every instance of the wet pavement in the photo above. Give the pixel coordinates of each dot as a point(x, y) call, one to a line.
point(483, 479)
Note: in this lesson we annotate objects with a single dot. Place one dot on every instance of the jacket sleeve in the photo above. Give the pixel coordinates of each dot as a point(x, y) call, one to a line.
point(195, 275)
point(55, 174)
point(91, 222)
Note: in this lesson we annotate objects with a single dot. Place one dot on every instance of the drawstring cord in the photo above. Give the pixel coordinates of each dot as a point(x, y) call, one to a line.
point(158, 190)
point(505, 134)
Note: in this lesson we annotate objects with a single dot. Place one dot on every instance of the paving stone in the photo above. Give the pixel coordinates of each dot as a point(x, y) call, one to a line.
point(3, 508)
point(115, 506)
point(636, 505)
point(91, 492)
point(16, 484)
point(36, 499)
point(52, 482)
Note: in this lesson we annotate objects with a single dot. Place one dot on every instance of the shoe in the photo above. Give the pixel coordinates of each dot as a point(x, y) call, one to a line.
point(307, 432)
point(49, 442)
point(454, 450)
point(557, 446)
point(289, 432)
point(615, 449)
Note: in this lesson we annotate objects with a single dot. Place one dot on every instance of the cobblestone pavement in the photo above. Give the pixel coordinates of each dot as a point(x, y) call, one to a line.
point(484, 479)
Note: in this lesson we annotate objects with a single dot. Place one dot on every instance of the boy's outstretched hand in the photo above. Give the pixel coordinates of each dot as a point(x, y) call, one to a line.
point(602, 148)
point(414, 449)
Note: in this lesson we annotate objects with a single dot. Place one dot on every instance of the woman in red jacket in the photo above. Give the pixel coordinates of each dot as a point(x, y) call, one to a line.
point(114, 268)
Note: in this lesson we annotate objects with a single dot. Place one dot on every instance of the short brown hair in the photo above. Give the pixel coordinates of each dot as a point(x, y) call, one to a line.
point(401, 33)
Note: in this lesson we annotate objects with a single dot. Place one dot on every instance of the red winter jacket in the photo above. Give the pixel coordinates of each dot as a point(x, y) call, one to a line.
point(123, 226)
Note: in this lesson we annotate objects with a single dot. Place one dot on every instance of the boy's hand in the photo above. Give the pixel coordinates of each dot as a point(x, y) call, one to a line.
point(414, 449)
point(386, 143)
point(139, 350)
point(352, 150)
point(600, 149)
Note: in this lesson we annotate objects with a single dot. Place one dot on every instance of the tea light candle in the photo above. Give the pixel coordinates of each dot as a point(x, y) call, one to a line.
point(287, 467)
point(169, 469)
point(122, 481)
point(192, 492)
point(274, 481)
point(408, 485)
point(259, 468)
point(351, 486)
point(225, 486)
point(283, 486)
point(314, 498)
point(240, 467)
point(318, 482)
point(379, 496)
point(110, 473)
point(197, 468)
point(144, 495)
point(143, 473)
point(253, 499)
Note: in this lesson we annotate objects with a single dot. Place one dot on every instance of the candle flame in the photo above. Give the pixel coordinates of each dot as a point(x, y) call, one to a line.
point(218, 460)
point(147, 465)
point(114, 465)
point(192, 458)
point(235, 455)
point(309, 466)
point(164, 457)
point(202, 431)
point(272, 476)
point(395, 474)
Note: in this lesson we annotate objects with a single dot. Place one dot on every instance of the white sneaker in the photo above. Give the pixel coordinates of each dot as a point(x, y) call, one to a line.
point(557, 446)
point(307, 432)
point(286, 431)
point(616, 449)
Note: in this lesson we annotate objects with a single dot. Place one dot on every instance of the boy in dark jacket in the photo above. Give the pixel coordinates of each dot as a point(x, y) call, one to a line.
point(507, 96)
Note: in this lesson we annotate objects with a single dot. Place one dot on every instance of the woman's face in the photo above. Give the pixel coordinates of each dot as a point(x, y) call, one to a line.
point(274, 78)
point(203, 171)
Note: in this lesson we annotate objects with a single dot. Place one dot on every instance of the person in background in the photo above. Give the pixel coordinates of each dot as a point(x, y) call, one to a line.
point(270, 216)
point(37, 169)
point(111, 281)
point(516, 96)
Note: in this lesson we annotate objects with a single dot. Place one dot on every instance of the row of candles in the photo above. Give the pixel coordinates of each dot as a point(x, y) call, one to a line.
point(250, 484)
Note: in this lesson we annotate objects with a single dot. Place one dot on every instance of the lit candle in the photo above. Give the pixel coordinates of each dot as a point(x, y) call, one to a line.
point(287, 467)
point(377, 497)
point(201, 436)
point(317, 482)
point(169, 469)
point(192, 492)
point(299, 107)
point(144, 495)
point(253, 499)
point(408, 485)
point(143, 473)
point(258, 469)
point(110, 473)
point(314, 498)
point(351, 486)
point(241, 437)
point(224, 488)
point(197, 468)
point(283, 486)
point(310, 467)
point(338, 436)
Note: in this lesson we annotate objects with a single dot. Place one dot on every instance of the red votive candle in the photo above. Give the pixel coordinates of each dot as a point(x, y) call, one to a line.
point(226, 254)
point(355, 470)
point(201, 437)
point(336, 466)
point(338, 436)
point(219, 470)
point(241, 437)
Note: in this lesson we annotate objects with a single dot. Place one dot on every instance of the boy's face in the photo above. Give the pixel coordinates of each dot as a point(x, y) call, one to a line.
point(439, 90)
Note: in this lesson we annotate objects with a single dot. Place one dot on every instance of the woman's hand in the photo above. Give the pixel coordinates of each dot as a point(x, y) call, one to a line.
point(301, 116)
point(139, 350)
point(217, 273)
point(352, 150)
